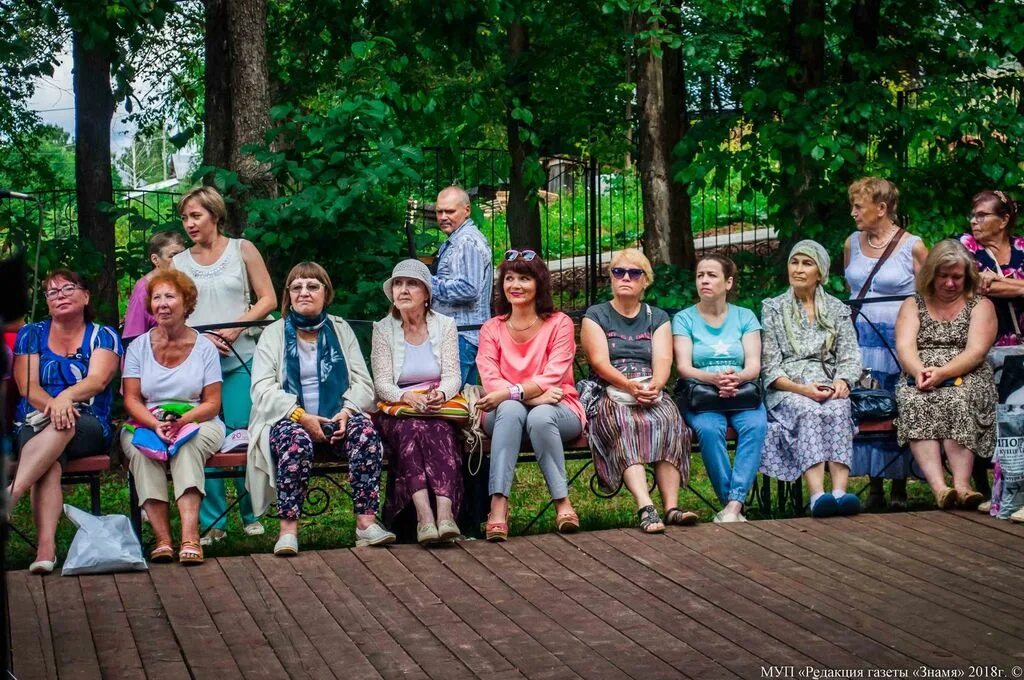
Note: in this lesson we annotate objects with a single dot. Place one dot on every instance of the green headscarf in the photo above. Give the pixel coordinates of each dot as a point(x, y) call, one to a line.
point(792, 309)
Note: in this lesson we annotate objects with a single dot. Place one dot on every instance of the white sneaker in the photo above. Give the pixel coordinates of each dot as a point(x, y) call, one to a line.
point(287, 545)
point(1018, 516)
point(375, 534)
point(254, 529)
point(985, 507)
point(723, 517)
point(740, 517)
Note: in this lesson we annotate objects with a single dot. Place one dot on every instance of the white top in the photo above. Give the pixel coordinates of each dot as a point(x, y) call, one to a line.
point(419, 366)
point(309, 381)
point(223, 294)
point(388, 355)
point(184, 382)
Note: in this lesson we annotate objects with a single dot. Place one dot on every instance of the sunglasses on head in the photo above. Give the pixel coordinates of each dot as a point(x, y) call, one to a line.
point(527, 255)
point(622, 272)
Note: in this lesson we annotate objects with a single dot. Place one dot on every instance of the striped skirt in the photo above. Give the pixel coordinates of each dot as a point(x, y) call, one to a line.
point(622, 435)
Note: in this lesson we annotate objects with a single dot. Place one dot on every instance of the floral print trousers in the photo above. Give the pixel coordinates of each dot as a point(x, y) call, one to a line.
point(292, 450)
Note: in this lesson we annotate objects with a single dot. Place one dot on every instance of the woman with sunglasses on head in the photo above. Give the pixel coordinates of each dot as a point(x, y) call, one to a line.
point(63, 366)
point(629, 348)
point(311, 391)
point(719, 344)
point(810, 358)
point(525, 363)
point(999, 254)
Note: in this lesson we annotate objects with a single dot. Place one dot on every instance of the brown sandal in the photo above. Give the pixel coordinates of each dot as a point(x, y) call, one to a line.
point(968, 499)
point(567, 522)
point(190, 553)
point(162, 554)
point(946, 499)
point(496, 532)
point(681, 518)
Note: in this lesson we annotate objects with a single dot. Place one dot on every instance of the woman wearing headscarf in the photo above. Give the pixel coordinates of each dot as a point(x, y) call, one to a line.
point(810, 359)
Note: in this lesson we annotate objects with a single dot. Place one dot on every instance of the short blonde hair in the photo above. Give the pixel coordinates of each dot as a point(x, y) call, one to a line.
point(306, 270)
point(211, 201)
point(634, 256)
point(946, 252)
point(878, 190)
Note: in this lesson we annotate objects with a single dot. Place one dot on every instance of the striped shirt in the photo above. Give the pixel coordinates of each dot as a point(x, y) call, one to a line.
point(465, 276)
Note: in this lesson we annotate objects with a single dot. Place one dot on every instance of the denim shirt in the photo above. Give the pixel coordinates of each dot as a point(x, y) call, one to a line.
point(465, 276)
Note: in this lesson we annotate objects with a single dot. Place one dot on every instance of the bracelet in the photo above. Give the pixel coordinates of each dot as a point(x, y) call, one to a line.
point(515, 392)
point(296, 415)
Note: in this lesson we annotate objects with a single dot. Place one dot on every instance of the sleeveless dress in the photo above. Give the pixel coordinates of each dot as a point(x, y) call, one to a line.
point(964, 413)
point(223, 295)
point(896, 277)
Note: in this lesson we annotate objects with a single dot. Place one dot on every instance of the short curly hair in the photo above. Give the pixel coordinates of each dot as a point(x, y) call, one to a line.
point(179, 281)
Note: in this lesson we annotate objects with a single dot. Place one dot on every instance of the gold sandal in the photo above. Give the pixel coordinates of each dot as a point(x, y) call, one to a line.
point(190, 553)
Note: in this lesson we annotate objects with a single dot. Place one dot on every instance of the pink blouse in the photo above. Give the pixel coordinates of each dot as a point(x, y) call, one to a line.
point(137, 319)
point(546, 359)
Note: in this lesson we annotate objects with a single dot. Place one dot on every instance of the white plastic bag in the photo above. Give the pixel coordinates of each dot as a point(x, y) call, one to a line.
point(102, 545)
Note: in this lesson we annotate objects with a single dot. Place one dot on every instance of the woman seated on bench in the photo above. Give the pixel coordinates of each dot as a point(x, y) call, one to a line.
point(416, 363)
point(947, 396)
point(525, 362)
point(172, 386)
point(311, 390)
point(629, 348)
point(63, 367)
point(719, 345)
point(810, 359)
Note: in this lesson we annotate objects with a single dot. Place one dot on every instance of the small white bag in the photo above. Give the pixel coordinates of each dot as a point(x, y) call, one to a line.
point(620, 396)
point(102, 545)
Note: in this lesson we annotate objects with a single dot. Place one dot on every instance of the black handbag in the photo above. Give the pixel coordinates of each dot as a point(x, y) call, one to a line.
point(694, 395)
point(872, 404)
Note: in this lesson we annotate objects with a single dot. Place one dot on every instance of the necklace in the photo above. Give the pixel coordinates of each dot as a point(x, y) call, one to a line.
point(508, 322)
point(892, 235)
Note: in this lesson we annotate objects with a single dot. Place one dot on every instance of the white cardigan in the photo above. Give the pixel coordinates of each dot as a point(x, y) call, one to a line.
point(270, 403)
point(388, 355)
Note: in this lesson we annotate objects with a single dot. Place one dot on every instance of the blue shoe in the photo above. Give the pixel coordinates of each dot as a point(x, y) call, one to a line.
point(848, 504)
point(825, 506)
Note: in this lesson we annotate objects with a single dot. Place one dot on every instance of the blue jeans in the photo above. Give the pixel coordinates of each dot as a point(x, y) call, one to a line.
point(467, 362)
point(731, 483)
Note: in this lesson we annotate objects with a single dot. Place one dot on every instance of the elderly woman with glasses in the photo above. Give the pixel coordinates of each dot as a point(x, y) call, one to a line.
point(810, 358)
point(311, 391)
point(628, 345)
point(63, 366)
point(415, 362)
point(525, 362)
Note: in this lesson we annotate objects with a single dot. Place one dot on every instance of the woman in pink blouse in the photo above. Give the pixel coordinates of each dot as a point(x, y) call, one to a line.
point(525, 363)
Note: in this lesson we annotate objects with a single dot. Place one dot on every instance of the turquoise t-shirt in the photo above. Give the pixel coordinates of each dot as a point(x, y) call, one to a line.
point(716, 349)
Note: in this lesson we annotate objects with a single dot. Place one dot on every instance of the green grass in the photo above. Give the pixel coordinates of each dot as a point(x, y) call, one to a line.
point(335, 528)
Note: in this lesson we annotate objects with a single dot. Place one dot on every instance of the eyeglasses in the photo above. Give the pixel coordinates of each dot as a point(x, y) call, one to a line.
point(979, 216)
point(65, 290)
point(624, 272)
point(527, 255)
point(297, 288)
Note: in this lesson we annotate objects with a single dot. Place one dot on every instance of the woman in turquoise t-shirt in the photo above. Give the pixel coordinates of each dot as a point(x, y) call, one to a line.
point(720, 344)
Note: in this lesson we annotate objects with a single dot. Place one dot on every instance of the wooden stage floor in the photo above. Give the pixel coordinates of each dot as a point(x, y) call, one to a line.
point(763, 599)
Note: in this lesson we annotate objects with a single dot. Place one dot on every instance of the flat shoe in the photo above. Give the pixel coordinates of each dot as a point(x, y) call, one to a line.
point(1017, 516)
point(567, 522)
point(847, 504)
point(42, 567)
point(162, 554)
point(448, 530)
point(825, 506)
point(190, 553)
point(211, 536)
point(723, 517)
point(945, 499)
point(985, 507)
point(254, 529)
point(648, 518)
point(681, 518)
point(968, 499)
point(427, 533)
point(375, 534)
point(287, 545)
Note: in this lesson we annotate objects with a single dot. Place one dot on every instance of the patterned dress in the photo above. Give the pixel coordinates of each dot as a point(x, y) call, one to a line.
point(622, 435)
point(803, 432)
point(964, 413)
point(1007, 311)
point(877, 341)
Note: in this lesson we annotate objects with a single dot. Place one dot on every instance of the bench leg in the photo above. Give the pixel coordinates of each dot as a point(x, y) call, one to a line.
point(134, 511)
point(94, 494)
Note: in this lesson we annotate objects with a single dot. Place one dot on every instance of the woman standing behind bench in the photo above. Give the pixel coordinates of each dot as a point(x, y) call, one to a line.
point(227, 272)
point(416, 362)
point(629, 347)
point(525, 362)
point(63, 367)
point(720, 344)
point(172, 363)
point(310, 390)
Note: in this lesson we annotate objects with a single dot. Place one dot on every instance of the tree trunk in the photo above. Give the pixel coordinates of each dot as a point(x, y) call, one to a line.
point(807, 68)
point(661, 92)
point(523, 216)
point(217, 101)
point(94, 108)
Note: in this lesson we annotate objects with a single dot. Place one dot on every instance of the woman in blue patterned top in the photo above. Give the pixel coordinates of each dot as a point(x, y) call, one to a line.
point(63, 367)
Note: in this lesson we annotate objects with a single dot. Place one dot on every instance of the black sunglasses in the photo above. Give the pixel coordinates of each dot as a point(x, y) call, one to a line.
point(623, 272)
point(527, 255)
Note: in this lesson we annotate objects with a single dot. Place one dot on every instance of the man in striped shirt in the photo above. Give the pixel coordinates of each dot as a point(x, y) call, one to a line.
point(465, 275)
